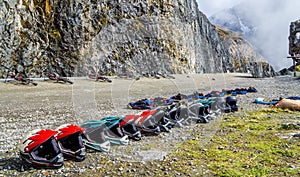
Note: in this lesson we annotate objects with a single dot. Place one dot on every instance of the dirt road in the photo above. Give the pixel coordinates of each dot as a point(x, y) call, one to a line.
point(48, 105)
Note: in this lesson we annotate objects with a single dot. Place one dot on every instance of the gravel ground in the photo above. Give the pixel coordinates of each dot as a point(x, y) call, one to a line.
point(48, 105)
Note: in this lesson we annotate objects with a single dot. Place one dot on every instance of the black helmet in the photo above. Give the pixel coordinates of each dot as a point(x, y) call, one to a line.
point(231, 102)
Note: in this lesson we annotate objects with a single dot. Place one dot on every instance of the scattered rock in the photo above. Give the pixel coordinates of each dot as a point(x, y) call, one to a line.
point(59, 109)
point(297, 135)
point(221, 147)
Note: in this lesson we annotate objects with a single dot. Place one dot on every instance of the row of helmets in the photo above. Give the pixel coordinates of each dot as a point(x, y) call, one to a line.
point(45, 148)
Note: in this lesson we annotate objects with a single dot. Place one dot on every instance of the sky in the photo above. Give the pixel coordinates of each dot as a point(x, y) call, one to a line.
point(272, 17)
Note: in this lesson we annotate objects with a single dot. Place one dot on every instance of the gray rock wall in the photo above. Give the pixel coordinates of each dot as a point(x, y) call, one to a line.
point(294, 40)
point(77, 37)
point(244, 57)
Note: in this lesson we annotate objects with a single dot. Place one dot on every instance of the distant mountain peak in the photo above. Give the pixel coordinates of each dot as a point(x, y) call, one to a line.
point(234, 19)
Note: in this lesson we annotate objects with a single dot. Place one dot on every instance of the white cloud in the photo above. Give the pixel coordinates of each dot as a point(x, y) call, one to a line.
point(209, 7)
point(272, 17)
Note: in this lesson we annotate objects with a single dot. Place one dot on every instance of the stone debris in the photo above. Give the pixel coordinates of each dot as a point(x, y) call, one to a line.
point(22, 110)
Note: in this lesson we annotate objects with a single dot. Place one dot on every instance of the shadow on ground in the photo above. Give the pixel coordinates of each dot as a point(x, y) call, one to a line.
point(13, 163)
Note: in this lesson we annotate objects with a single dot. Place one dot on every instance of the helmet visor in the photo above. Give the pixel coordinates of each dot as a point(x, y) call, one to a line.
point(72, 147)
point(96, 134)
point(130, 127)
point(72, 143)
point(47, 151)
point(115, 131)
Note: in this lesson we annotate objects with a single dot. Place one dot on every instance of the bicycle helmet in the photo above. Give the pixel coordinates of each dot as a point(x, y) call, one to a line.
point(69, 139)
point(40, 149)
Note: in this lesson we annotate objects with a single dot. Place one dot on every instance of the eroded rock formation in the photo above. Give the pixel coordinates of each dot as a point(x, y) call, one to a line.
point(76, 37)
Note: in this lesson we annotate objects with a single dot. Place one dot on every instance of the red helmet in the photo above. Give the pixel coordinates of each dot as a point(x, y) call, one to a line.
point(145, 122)
point(39, 148)
point(69, 139)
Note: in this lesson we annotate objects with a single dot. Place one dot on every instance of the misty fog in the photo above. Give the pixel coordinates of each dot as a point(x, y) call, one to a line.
point(271, 19)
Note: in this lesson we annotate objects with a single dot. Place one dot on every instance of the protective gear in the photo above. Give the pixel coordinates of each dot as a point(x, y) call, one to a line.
point(94, 136)
point(115, 135)
point(231, 103)
point(112, 131)
point(40, 149)
point(218, 104)
point(164, 123)
point(69, 139)
point(149, 127)
point(199, 112)
point(129, 128)
point(178, 114)
point(145, 122)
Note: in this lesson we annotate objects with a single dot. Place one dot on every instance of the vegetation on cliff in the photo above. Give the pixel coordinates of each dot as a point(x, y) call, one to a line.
point(113, 37)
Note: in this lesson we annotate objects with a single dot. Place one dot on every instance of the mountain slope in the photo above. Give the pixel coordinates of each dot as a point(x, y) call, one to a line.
point(264, 24)
point(114, 37)
point(235, 19)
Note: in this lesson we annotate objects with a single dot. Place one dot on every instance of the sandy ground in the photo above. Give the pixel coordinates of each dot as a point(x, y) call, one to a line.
point(48, 105)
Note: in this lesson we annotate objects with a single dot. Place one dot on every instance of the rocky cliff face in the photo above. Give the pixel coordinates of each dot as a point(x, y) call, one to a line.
point(77, 37)
point(244, 57)
point(294, 39)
